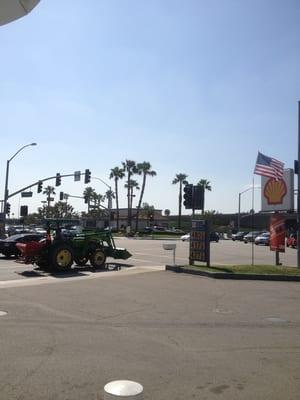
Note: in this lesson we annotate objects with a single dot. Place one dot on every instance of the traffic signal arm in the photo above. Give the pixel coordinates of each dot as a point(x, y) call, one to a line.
point(40, 181)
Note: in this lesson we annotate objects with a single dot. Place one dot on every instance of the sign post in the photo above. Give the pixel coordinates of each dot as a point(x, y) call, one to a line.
point(277, 236)
point(199, 242)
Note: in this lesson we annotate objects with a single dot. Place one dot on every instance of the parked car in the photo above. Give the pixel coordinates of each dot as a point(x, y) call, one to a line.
point(238, 236)
point(292, 240)
point(8, 245)
point(250, 237)
point(263, 238)
point(213, 237)
point(185, 237)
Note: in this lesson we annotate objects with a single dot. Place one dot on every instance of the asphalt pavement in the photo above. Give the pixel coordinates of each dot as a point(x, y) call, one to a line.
point(64, 337)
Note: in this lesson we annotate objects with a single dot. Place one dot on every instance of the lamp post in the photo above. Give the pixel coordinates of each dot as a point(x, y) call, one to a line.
point(239, 211)
point(6, 183)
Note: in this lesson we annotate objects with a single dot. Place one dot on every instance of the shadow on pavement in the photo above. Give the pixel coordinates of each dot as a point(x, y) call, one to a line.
point(76, 271)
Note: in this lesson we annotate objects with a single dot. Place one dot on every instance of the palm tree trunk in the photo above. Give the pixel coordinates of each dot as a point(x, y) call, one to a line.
point(117, 202)
point(140, 202)
point(128, 201)
point(179, 208)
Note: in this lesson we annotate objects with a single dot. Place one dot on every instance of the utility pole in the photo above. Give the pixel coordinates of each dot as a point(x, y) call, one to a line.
point(298, 192)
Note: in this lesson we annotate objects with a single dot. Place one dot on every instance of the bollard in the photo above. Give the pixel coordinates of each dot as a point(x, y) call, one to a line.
point(123, 389)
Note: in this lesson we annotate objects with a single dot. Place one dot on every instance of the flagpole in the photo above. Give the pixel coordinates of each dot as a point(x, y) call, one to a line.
point(252, 251)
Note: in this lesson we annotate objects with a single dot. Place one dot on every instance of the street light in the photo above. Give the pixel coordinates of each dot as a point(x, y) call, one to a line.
point(239, 211)
point(6, 183)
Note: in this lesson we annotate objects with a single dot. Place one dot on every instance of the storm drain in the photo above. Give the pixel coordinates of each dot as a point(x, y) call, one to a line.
point(2, 313)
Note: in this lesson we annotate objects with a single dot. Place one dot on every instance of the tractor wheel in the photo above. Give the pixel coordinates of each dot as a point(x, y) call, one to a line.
point(81, 261)
point(97, 258)
point(61, 257)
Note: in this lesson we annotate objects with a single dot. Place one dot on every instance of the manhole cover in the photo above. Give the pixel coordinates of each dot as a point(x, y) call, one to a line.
point(275, 319)
point(2, 313)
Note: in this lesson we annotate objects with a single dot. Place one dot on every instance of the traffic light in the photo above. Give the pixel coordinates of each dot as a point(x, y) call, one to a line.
point(40, 187)
point(61, 195)
point(198, 201)
point(86, 199)
point(188, 196)
point(24, 211)
point(7, 209)
point(58, 180)
point(87, 176)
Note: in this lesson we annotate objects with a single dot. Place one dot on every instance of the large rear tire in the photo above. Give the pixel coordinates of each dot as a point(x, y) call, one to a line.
point(98, 258)
point(61, 257)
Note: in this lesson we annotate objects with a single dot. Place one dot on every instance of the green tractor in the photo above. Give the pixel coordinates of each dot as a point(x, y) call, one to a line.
point(58, 252)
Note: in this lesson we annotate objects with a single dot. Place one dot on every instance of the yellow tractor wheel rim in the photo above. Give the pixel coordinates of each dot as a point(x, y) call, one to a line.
point(63, 258)
point(99, 257)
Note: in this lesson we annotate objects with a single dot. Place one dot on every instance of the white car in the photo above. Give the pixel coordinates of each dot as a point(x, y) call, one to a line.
point(185, 238)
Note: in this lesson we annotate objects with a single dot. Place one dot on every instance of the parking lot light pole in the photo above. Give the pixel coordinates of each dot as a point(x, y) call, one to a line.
point(239, 210)
point(6, 182)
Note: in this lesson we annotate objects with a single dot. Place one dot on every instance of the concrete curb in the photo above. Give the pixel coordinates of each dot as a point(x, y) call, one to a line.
point(225, 275)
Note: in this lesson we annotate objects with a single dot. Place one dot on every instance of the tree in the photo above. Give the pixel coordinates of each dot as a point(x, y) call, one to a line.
point(133, 185)
point(48, 191)
point(109, 195)
point(206, 185)
point(167, 212)
point(129, 167)
point(98, 199)
point(62, 209)
point(116, 174)
point(181, 179)
point(88, 195)
point(144, 169)
point(148, 211)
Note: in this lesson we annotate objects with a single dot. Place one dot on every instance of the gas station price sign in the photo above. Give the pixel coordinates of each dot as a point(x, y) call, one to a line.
point(199, 241)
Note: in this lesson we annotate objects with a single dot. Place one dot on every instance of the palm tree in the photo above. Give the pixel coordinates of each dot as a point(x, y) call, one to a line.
point(63, 210)
point(145, 170)
point(48, 191)
point(205, 183)
point(98, 199)
point(133, 185)
point(129, 167)
point(206, 186)
point(88, 195)
point(181, 179)
point(116, 174)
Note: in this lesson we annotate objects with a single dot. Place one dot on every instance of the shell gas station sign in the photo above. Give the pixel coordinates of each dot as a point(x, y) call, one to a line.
point(278, 195)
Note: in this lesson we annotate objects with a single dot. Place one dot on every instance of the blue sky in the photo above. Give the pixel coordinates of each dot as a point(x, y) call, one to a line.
point(194, 87)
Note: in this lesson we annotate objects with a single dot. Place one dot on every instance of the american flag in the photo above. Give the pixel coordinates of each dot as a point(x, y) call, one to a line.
point(268, 166)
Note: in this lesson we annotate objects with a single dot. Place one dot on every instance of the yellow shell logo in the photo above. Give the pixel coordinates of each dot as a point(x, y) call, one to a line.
point(275, 191)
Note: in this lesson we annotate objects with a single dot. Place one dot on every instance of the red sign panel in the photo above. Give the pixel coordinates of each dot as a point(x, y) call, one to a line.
point(277, 233)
